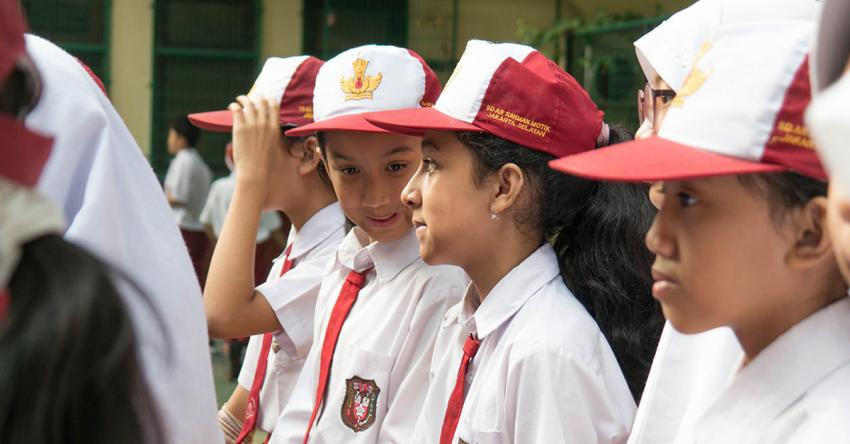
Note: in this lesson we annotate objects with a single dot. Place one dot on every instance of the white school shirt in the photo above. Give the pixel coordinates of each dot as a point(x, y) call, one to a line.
point(188, 180)
point(386, 343)
point(544, 372)
point(796, 391)
point(116, 209)
point(218, 201)
point(686, 374)
point(293, 297)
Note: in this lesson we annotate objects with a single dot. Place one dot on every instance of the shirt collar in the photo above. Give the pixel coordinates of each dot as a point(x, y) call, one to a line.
point(388, 258)
point(319, 227)
point(510, 294)
point(784, 371)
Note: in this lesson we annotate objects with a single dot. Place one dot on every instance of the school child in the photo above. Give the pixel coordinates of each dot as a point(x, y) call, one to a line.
point(740, 238)
point(829, 123)
point(278, 173)
point(186, 185)
point(380, 306)
point(520, 358)
point(114, 207)
point(271, 237)
point(688, 370)
point(66, 337)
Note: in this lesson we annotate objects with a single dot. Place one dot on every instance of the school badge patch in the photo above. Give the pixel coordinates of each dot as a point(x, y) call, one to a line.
point(360, 403)
point(361, 85)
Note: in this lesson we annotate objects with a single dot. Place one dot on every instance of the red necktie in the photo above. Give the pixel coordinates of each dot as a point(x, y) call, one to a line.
point(347, 296)
point(260, 373)
point(470, 347)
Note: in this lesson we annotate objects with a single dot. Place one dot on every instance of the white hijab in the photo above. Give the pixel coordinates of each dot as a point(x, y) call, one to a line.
point(115, 207)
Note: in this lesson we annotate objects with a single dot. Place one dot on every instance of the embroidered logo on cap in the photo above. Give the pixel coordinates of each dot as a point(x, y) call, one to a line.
point(361, 85)
point(360, 403)
point(695, 79)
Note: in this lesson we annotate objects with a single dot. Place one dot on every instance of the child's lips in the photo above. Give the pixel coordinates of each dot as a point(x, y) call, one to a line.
point(662, 284)
point(383, 221)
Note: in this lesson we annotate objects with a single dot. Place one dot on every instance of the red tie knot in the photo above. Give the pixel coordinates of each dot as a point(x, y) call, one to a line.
point(470, 347)
point(357, 279)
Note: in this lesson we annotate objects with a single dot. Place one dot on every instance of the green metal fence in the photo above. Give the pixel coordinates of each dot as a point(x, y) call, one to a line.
point(81, 27)
point(205, 53)
point(603, 60)
point(427, 26)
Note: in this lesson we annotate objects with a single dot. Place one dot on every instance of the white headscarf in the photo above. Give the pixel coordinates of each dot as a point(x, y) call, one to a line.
point(116, 209)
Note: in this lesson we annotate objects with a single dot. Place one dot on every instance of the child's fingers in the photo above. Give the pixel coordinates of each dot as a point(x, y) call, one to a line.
point(249, 110)
point(238, 116)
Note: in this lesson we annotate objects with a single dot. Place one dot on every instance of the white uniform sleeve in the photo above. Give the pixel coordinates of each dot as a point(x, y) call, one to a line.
point(409, 381)
point(178, 181)
point(249, 364)
point(293, 298)
point(553, 396)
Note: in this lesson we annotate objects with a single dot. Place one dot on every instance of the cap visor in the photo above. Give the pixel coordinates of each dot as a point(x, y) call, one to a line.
point(655, 159)
point(352, 122)
point(218, 121)
point(415, 121)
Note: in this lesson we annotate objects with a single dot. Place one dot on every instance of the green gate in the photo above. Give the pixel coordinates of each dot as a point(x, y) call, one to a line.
point(205, 53)
point(81, 27)
point(603, 60)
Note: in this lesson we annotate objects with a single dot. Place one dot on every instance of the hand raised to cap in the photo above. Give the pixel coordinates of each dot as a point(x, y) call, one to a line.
point(256, 137)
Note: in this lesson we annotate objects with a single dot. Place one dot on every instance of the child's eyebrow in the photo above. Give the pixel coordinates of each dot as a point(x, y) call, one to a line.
point(336, 156)
point(427, 144)
point(398, 150)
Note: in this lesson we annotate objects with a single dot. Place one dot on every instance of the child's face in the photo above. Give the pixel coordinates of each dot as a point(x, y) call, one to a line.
point(838, 223)
point(720, 257)
point(450, 213)
point(368, 172)
point(175, 142)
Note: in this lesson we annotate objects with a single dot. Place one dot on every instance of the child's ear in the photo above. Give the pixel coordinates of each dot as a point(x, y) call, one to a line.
point(507, 185)
point(309, 155)
point(812, 243)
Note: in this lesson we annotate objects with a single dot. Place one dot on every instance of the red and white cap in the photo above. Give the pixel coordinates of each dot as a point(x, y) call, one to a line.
point(289, 80)
point(510, 91)
point(367, 79)
point(740, 111)
point(670, 48)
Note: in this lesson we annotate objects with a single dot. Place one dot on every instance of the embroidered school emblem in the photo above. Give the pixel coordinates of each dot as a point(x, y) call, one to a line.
point(695, 78)
point(361, 85)
point(360, 403)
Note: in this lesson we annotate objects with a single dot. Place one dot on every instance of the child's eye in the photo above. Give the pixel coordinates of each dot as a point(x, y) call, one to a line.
point(396, 167)
point(428, 165)
point(349, 171)
point(686, 200)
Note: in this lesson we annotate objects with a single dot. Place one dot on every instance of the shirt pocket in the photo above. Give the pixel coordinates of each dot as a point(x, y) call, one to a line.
point(364, 405)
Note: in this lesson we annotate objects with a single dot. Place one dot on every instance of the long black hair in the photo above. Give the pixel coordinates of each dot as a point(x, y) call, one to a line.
point(597, 230)
point(69, 372)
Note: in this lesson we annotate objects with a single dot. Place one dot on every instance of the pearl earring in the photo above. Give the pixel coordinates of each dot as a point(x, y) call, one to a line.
point(493, 216)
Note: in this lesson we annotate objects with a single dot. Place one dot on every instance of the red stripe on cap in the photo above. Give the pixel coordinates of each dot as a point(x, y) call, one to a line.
point(296, 103)
point(23, 152)
point(789, 144)
point(538, 105)
point(432, 83)
point(94, 77)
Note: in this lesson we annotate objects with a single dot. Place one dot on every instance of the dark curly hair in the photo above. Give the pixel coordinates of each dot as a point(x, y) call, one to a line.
point(597, 230)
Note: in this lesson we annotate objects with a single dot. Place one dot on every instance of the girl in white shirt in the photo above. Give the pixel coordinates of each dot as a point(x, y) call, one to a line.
point(560, 288)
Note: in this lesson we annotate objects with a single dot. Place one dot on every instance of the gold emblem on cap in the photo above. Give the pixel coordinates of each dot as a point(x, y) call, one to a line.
point(695, 78)
point(361, 85)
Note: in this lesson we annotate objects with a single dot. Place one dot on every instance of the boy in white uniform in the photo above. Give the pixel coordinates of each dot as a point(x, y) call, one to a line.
point(380, 306)
point(115, 207)
point(277, 173)
point(740, 238)
point(186, 185)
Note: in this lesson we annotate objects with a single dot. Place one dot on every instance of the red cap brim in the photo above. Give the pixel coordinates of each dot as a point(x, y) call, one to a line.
point(655, 159)
point(415, 121)
point(351, 122)
point(218, 121)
